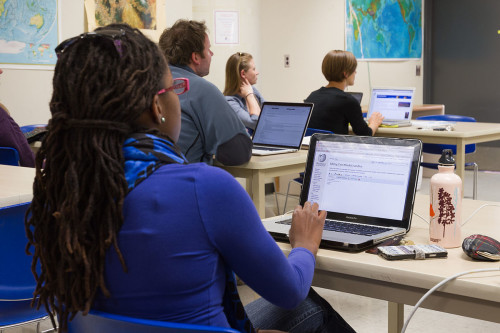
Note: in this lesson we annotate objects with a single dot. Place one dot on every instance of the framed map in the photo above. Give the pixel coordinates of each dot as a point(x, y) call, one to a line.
point(29, 32)
point(146, 15)
point(384, 29)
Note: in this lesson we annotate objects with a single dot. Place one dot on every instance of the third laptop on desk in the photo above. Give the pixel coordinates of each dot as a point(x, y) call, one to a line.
point(281, 127)
point(395, 104)
point(363, 183)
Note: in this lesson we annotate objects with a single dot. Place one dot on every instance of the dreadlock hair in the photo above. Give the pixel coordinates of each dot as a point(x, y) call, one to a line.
point(101, 85)
point(234, 65)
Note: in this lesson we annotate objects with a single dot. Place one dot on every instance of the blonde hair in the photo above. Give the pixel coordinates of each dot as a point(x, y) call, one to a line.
point(338, 64)
point(235, 64)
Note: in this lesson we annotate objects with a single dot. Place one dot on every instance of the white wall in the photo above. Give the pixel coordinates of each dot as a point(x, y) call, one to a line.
point(249, 33)
point(307, 30)
point(269, 29)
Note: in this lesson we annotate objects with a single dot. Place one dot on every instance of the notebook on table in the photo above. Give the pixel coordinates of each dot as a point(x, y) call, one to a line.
point(367, 186)
point(281, 127)
point(395, 104)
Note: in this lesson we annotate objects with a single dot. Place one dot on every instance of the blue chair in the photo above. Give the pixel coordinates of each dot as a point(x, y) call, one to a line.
point(309, 131)
point(17, 283)
point(9, 156)
point(433, 148)
point(101, 322)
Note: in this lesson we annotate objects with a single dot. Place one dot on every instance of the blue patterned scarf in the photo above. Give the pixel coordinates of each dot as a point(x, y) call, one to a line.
point(145, 153)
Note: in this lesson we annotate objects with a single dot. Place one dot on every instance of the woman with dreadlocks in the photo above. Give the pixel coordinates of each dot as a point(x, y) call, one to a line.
point(120, 223)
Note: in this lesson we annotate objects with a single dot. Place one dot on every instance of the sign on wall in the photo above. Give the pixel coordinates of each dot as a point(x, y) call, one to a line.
point(227, 27)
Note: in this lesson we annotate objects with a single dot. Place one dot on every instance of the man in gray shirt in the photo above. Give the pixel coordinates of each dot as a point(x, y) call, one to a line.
point(209, 125)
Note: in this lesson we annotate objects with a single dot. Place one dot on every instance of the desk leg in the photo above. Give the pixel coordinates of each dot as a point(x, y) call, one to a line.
point(396, 316)
point(460, 160)
point(248, 186)
point(259, 193)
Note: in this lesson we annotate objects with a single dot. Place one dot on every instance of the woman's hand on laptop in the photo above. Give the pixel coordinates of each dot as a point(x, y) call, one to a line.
point(375, 121)
point(307, 227)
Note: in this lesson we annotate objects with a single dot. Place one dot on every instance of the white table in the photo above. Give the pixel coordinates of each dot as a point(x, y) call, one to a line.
point(405, 281)
point(464, 133)
point(16, 185)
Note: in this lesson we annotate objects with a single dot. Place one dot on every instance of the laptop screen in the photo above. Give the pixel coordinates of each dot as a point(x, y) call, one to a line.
point(282, 124)
point(392, 103)
point(363, 179)
point(357, 95)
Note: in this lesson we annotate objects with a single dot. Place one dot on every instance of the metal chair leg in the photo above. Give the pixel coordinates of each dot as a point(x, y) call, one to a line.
point(474, 187)
point(288, 192)
point(286, 197)
point(474, 179)
point(276, 196)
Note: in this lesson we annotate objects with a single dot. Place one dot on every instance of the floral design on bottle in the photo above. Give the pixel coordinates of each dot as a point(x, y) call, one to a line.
point(445, 204)
point(446, 209)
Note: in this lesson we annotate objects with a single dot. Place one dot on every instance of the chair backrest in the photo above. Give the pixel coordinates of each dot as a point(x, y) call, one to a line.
point(16, 279)
point(448, 117)
point(101, 322)
point(17, 283)
point(437, 148)
point(310, 131)
point(9, 156)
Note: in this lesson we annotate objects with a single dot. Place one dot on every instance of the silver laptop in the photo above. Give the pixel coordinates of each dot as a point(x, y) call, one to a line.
point(367, 186)
point(395, 104)
point(281, 127)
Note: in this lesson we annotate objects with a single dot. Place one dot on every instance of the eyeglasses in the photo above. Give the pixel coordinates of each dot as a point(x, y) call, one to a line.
point(109, 34)
point(180, 86)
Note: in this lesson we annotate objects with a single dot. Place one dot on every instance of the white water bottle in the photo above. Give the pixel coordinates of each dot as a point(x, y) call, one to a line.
point(446, 204)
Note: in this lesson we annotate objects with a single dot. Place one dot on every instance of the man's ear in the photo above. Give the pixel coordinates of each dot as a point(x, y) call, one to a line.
point(195, 58)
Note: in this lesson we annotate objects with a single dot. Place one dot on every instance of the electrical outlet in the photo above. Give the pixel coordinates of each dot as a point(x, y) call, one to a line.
point(287, 60)
point(417, 71)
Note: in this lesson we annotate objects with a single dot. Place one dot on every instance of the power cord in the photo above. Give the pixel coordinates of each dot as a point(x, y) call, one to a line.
point(468, 219)
point(423, 219)
point(438, 286)
point(477, 210)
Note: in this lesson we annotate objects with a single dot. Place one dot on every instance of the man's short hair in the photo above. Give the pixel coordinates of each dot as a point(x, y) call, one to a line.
point(337, 64)
point(182, 39)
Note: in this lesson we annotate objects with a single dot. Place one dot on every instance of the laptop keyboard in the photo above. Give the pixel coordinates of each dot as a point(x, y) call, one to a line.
point(349, 228)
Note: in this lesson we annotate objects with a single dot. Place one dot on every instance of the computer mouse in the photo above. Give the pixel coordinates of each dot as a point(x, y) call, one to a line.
point(482, 247)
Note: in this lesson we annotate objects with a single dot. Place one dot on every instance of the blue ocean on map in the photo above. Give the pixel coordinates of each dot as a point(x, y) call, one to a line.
point(28, 32)
point(384, 29)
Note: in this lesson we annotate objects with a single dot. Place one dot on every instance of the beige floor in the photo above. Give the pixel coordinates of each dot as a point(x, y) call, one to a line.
point(368, 315)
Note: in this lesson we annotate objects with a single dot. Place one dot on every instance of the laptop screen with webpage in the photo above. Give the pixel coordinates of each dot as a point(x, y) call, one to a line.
point(282, 124)
point(392, 103)
point(368, 180)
